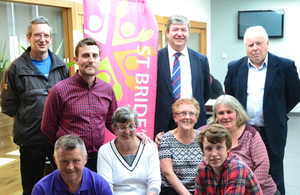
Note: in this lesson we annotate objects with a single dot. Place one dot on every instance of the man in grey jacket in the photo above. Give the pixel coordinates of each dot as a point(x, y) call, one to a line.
point(23, 90)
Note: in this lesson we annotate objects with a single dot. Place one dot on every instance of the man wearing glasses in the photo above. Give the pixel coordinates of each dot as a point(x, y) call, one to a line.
point(24, 89)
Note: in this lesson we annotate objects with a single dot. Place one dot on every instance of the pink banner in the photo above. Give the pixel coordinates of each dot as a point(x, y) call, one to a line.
point(127, 33)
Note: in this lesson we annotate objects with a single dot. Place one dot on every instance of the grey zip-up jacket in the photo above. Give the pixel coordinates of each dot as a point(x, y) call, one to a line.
point(23, 91)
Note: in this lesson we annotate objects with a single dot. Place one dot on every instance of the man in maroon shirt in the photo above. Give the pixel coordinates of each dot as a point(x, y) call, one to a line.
point(81, 105)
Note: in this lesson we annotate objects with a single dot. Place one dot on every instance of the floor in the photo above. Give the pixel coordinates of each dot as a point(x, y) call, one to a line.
point(292, 156)
point(10, 180)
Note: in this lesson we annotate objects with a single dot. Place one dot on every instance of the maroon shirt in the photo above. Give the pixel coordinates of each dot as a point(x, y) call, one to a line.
point(72, 107)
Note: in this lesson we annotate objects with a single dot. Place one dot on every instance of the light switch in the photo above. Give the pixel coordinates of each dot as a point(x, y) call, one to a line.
point(224, 55)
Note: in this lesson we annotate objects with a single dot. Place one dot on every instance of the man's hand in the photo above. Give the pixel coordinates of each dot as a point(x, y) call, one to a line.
point(158, 138)
point(145, 139)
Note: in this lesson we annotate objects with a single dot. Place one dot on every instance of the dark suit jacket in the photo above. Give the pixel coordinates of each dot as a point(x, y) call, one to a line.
point(281, 94)
point(164, 96)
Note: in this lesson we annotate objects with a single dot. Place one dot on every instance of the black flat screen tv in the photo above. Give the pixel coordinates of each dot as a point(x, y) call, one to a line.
point(271, 20)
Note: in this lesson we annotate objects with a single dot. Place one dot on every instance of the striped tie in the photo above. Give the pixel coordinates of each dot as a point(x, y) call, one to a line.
point(176, 77)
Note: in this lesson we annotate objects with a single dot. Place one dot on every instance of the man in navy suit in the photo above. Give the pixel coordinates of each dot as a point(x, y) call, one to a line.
point(268, 87)
point(195, 75)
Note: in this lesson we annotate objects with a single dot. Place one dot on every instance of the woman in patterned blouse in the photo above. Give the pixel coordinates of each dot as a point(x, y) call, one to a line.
point(179, 153)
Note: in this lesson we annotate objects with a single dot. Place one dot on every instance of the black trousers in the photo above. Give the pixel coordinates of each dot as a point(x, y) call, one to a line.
point(276, 164)
point(169, 191)
point(32, 163)
point(92, 161)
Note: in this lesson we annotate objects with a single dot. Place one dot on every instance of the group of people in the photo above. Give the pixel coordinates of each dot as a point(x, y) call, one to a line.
point(63, 118)
point(45, 103)
point(125, 165)
point(261, 89)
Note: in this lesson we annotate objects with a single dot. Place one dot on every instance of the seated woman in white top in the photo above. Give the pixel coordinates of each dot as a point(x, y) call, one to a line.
point(129, 166)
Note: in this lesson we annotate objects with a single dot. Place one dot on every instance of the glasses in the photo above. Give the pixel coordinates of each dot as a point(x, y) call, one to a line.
point(183, 114)
point(39, 36)
point(130, 128)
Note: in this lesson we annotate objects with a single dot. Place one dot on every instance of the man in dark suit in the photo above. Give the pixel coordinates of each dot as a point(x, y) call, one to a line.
point(195, 75)
point(268, 87)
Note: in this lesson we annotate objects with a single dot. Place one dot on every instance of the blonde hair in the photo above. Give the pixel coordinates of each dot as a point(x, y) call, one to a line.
point(181, 101)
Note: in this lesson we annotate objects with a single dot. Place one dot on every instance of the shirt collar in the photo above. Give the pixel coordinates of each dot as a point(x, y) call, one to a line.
point(60, 184)
point(82, 81)
point(184, 52)
point(85, 183)
point(250, 64)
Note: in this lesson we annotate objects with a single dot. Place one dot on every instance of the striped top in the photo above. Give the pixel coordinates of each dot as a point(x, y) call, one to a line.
point(252, 150)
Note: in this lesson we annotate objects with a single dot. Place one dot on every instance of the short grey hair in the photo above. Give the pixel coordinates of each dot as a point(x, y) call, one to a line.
point(230, 102)
point(178, 19)
point(255, 31)
point(70, 142)
point(39, 20)
point(123, 115)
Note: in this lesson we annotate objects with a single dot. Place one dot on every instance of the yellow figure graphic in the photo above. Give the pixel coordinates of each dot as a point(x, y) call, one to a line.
point(131, 63)
point(105, 65)
point(128, 28)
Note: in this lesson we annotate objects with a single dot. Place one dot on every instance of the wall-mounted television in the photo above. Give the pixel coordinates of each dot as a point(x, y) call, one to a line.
point(271, 20)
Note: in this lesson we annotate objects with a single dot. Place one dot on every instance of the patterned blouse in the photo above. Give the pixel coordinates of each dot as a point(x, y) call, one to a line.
point(185, 159)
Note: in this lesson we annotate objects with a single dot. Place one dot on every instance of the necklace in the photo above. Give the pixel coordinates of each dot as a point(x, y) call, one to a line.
point(127, 152)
